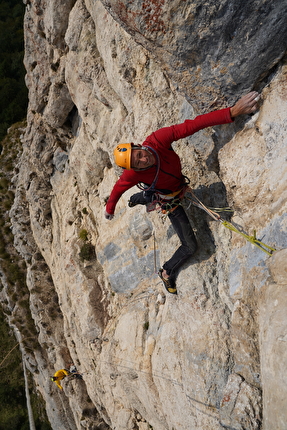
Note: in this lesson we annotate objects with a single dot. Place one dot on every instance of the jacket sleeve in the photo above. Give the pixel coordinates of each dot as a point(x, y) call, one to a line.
point(167, 135)
point(126, 181)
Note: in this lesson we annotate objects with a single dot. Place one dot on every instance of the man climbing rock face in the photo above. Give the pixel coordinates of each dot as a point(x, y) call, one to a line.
point(158, 167)
point(63, 373)
point(59, 375)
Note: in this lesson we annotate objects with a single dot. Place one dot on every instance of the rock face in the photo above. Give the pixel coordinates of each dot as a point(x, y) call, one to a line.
point(272, 342)
point(100, 73)
point(206, 46)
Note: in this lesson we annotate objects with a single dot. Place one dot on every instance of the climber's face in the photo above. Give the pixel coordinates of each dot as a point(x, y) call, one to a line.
point(141, 159)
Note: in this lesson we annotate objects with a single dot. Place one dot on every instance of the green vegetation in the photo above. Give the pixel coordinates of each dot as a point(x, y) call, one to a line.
point(87, 252)
point(10, 262)
point(12, 389)
point(13, 92)
point(13, 408)
point(13, 108)
point(146, 326)
point(83, 235)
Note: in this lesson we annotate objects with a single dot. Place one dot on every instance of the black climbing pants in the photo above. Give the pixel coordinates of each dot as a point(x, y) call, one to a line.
point(182, 227)
point(188, 247)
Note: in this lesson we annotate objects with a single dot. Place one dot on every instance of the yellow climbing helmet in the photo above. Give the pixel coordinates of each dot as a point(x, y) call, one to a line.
point(123, 154)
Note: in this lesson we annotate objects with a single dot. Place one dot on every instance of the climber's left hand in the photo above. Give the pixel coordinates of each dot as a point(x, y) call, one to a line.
point(247, 104)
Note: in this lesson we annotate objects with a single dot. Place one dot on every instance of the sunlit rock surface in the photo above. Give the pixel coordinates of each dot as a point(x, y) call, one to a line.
point(100, 73)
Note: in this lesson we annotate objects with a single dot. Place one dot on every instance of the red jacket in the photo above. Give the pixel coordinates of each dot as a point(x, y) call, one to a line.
point(170, 178)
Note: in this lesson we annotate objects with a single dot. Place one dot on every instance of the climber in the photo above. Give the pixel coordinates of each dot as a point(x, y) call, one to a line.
point(155, 165)
point(59, 375)
point(74, 372)
point(63, 373)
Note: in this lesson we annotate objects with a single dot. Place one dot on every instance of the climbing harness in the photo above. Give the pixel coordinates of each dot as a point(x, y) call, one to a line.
point(162, 205)
point(215, 215)
point(154, 199)
point(166, 203)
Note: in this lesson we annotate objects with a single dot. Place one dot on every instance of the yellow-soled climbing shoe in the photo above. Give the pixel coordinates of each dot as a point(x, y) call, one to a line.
point(169, 283)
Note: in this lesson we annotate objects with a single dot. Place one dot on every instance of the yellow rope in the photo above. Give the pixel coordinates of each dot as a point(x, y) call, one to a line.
point(251, 239)
point(266, 248)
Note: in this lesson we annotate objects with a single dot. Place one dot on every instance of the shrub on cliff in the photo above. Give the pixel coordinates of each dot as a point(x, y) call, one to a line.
point(87, 252)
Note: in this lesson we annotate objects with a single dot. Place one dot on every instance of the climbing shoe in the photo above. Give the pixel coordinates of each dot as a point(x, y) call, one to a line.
point(169, 283)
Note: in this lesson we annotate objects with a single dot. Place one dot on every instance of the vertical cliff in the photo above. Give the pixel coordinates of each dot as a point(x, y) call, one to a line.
point(100, 73)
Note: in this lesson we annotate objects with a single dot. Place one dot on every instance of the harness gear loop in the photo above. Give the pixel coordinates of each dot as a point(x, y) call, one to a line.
point(166, 203)
point(154, 196)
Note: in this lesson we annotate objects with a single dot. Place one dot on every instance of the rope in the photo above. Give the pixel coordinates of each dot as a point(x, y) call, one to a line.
point(213, 213)
point(252, 239)
point(154, 252)
point(192, 400)
point(15, 346)
point(152, 186)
